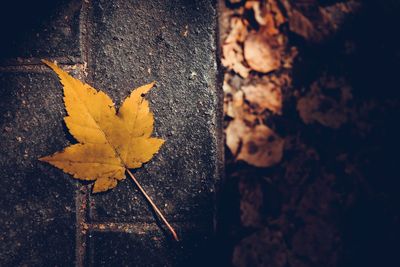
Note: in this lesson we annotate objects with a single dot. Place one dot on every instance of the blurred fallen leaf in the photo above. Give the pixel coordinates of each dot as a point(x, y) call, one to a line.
point(234, 134)
point(238, 31)
point(323, 22)
point(232, 51)
point(233, 59)
point(259, 53)
point(318, 106)
point(301, 25)
point(235, 106)
point(258, 146)
point(267, 14)
point(235, 1)
point(261, 147)
point(264, 96)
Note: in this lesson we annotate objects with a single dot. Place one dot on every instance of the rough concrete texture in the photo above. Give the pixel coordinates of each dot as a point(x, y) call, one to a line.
point(40, 29)
point(37, 215)
point(149, 248)
point(172, 43)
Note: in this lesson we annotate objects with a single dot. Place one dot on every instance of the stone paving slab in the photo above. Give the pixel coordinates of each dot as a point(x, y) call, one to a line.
point(149, 247)
point(37, 215)
point(31, 30)
point(171, 42)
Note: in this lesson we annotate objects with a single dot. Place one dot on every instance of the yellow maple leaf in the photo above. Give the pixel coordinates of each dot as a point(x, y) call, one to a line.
point(110, 142)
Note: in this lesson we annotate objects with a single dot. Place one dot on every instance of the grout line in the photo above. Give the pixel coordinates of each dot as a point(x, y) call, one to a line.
point(82, 198)
point(36, 61)
point(81, 226)
point(40, 68)
point(84, 29)
point(25, 68)
point(140, 228)
point(145, 219)
point(132, 227)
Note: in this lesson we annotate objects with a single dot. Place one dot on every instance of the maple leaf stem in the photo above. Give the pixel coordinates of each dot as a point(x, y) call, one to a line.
point(153, 205)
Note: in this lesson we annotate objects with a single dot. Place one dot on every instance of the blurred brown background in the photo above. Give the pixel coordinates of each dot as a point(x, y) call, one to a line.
point(311, 112)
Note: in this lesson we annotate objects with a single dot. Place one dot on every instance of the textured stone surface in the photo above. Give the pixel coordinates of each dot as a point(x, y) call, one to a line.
point(37, 215)
point(150, 248)
point(171, 42)
point(40, 29)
